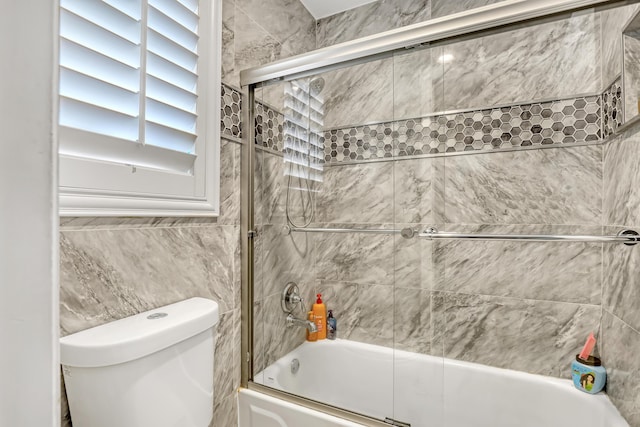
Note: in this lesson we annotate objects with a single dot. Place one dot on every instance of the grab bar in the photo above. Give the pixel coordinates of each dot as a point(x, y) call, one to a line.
point(627, 237)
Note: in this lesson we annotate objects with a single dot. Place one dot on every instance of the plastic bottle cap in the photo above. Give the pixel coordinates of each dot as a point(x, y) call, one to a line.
point(319, 300)
point(590, 361)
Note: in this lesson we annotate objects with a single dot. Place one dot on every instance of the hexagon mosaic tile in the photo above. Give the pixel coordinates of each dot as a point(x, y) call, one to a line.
point(612, 108)
point(269, 127)
point(231, 107)
point(568, 121)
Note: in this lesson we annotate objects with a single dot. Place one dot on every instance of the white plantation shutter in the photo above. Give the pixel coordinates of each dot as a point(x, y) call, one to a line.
point(132, 96)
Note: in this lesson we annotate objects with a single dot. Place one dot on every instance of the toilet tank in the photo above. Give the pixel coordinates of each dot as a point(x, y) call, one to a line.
point(151, 369)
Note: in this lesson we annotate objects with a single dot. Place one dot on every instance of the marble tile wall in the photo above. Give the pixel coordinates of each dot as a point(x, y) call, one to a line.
point(279, 258)
point(372, 18)
point(621, 293)
point(259, 32)
point(440, 8)
point(613, 21)
point(473, 301)
point(532, 63)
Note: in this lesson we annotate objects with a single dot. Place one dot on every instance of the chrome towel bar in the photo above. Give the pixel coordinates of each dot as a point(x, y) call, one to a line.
point(627, 237)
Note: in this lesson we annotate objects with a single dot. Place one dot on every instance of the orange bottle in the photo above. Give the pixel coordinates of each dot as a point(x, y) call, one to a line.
point(311, 336)
point(320, 317)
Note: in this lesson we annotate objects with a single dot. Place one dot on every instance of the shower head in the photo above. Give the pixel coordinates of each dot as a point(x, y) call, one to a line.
point(316, 85)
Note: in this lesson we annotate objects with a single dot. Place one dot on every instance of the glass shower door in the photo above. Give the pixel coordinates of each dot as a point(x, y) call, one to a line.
point(526, 105)
point(324, 219)
point(417, 171)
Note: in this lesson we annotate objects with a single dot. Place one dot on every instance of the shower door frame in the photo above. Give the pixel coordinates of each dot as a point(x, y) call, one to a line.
point(476, 22)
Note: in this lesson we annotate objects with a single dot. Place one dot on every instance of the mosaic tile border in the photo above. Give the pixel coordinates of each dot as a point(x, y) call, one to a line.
point(612, 104)
point(269, 127)
point(561, 122)
point(230, 112)
point(579, 120)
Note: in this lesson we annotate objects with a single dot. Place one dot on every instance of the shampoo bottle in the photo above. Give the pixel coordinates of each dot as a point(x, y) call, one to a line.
point(332, 326)
point(320, 317)
point(311, 336)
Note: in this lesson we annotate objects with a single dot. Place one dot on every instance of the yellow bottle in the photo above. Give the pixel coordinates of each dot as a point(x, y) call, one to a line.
point(320, 317)
point(311, 336)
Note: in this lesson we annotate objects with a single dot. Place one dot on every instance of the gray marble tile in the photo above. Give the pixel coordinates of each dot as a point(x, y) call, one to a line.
point(229, 73)
point(271, 186)
point(612, 22)
point(280, 338)
point(258, 188)
point(274, 95)
point(620, 356)
point(413, 262)
point(413, 195)
point(288, 21)
point(412, 320)
point(359, 94)
point(360, 193)
point(258, 263)
point(229, 183)
point(440, 8)
point(414, 93)
point(224, 367)
point(558, 186)
point(274, 190)
point(631, 76)
point(287, 258)
point(372, 18)
point(621, 287)
point(237, 349)
point(363, 312)
point(563, 272)
point(355, 257)
point(538, 337)
point(253, 45)
point(106, 275)
point(531, 63)
point(258, 338)
point(342, 298)
point(621, 175)
point(225, 413)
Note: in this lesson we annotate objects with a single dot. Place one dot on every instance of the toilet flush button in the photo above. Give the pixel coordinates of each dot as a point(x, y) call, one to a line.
point(155, 316)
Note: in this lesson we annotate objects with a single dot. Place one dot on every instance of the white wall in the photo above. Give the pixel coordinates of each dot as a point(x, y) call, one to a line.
point(29, 366)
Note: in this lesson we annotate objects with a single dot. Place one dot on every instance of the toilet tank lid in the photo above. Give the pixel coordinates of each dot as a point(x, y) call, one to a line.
point(140, 335)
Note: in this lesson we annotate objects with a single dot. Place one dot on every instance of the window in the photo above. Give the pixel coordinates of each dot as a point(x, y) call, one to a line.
point(139, 107)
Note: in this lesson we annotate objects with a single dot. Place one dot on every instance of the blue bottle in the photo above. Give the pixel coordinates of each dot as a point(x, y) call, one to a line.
point(332, 326)
point(588, 375)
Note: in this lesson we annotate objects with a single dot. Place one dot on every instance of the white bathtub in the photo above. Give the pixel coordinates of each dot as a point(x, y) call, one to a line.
point(420, 390)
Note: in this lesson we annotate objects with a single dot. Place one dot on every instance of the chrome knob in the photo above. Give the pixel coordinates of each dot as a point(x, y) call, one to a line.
point(291, 298)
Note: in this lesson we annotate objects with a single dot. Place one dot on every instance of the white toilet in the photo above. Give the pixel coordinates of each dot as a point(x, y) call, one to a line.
point(154, 369)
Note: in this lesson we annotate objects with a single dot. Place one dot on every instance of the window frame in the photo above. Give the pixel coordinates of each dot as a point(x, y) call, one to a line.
point(99, 188)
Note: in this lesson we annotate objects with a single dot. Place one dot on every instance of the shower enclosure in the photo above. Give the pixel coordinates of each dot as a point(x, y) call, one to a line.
point(441, 187)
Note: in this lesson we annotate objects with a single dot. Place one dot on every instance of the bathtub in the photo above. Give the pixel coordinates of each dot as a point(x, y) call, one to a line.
point(418, 390)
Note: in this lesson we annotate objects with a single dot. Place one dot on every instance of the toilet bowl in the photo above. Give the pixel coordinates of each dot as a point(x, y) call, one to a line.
point(154, 369)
